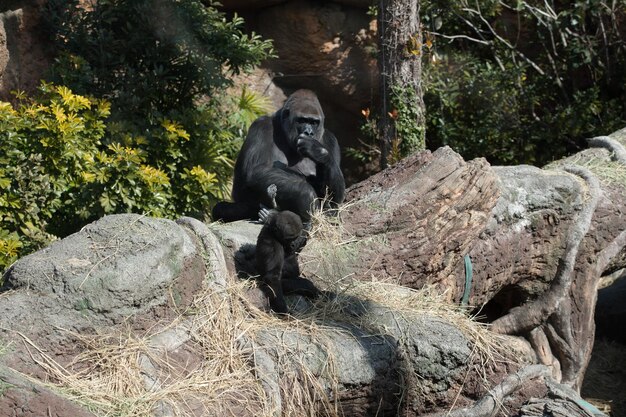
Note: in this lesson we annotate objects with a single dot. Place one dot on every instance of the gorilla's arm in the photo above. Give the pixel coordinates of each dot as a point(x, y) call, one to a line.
point(256, 157)
point(327, 158)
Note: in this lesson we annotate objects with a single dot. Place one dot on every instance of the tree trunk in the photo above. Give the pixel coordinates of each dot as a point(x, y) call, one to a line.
point(401, 122)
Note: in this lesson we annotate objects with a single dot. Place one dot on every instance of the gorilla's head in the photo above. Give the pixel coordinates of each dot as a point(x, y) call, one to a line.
point(286, 226)
point(302, 116)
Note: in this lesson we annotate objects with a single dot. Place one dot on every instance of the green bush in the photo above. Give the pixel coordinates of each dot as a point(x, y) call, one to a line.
point(162, 143)
point(159, 140)
point(61, 166)
point(524, 82)
point(149, 57)
point(45, 146)
point(164, 66)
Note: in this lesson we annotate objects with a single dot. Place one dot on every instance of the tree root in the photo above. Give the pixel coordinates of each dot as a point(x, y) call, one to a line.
point(532, 314)
point(541, 345)
point(618, 154)
point(561, 401)
point(489, 405)
point(618, 150)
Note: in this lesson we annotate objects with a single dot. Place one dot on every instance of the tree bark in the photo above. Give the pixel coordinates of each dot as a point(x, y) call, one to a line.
point(402, 121)
point(537, 240)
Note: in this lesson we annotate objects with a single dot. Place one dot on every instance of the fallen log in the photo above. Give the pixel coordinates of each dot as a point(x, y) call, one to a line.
point(525, 246)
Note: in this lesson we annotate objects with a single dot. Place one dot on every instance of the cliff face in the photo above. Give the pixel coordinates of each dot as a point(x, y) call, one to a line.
point(24, 50)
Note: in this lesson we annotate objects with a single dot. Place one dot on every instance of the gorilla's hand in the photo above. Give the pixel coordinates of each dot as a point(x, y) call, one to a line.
point(311, 148)
point(266, 214)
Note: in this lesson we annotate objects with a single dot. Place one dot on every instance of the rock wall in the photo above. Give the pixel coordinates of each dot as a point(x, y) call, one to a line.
point(25, 52)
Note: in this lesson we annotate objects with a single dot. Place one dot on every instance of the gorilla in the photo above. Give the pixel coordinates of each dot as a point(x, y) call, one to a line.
point(292, 150)
point(276, 260)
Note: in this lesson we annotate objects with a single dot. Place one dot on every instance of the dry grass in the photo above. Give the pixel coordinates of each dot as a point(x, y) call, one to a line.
point(609, 172)
point(123, 374)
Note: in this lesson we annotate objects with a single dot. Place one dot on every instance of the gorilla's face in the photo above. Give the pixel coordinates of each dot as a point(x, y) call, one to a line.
point(302, 117)
point(306, 125)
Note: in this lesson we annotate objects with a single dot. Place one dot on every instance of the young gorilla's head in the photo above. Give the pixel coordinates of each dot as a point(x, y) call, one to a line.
point(302, 117)
point(286, 226)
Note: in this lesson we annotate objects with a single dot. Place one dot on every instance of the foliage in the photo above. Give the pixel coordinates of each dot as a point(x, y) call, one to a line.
point(164, 65)
point(149, 57)
point(45, 145)
point(171, 130)
point(406, 113)
point(524, 82)
point(369, 151)
point(63, 167)
point(409, 136)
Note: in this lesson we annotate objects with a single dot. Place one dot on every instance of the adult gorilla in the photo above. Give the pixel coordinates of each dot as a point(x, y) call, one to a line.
point(292, 150)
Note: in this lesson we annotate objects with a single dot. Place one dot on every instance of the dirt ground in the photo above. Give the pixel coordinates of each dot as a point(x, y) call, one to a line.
point(605, 381)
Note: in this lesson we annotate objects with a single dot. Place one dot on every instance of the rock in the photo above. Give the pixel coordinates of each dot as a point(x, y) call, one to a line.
point(21, 397)
point(387, 350)
point(239, 240)
point(117, 266)
point(25, 51)
point(212, 250)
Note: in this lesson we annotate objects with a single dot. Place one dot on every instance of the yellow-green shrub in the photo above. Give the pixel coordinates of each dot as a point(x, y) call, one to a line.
point(44, 147)
point(61, 166)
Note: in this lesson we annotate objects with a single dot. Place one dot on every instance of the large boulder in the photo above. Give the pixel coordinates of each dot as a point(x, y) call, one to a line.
point(120, 269)
point(116, 267)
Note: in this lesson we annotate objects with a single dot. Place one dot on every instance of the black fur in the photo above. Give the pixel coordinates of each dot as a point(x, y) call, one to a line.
point(292, 150)
point(276, 260)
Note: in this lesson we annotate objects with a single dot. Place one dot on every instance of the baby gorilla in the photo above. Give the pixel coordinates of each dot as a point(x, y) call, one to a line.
point(276, 260)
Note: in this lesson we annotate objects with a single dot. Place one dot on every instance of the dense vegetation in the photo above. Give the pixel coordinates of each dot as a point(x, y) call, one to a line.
point(523, 82)
point(159, 135)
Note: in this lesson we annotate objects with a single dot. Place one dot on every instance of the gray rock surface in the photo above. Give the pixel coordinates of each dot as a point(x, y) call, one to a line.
point(116, 266)
point(239, 241)
point(115, 269)
point(24, 47)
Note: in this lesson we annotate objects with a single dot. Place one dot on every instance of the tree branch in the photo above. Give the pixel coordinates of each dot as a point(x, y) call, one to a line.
point(489, 405)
